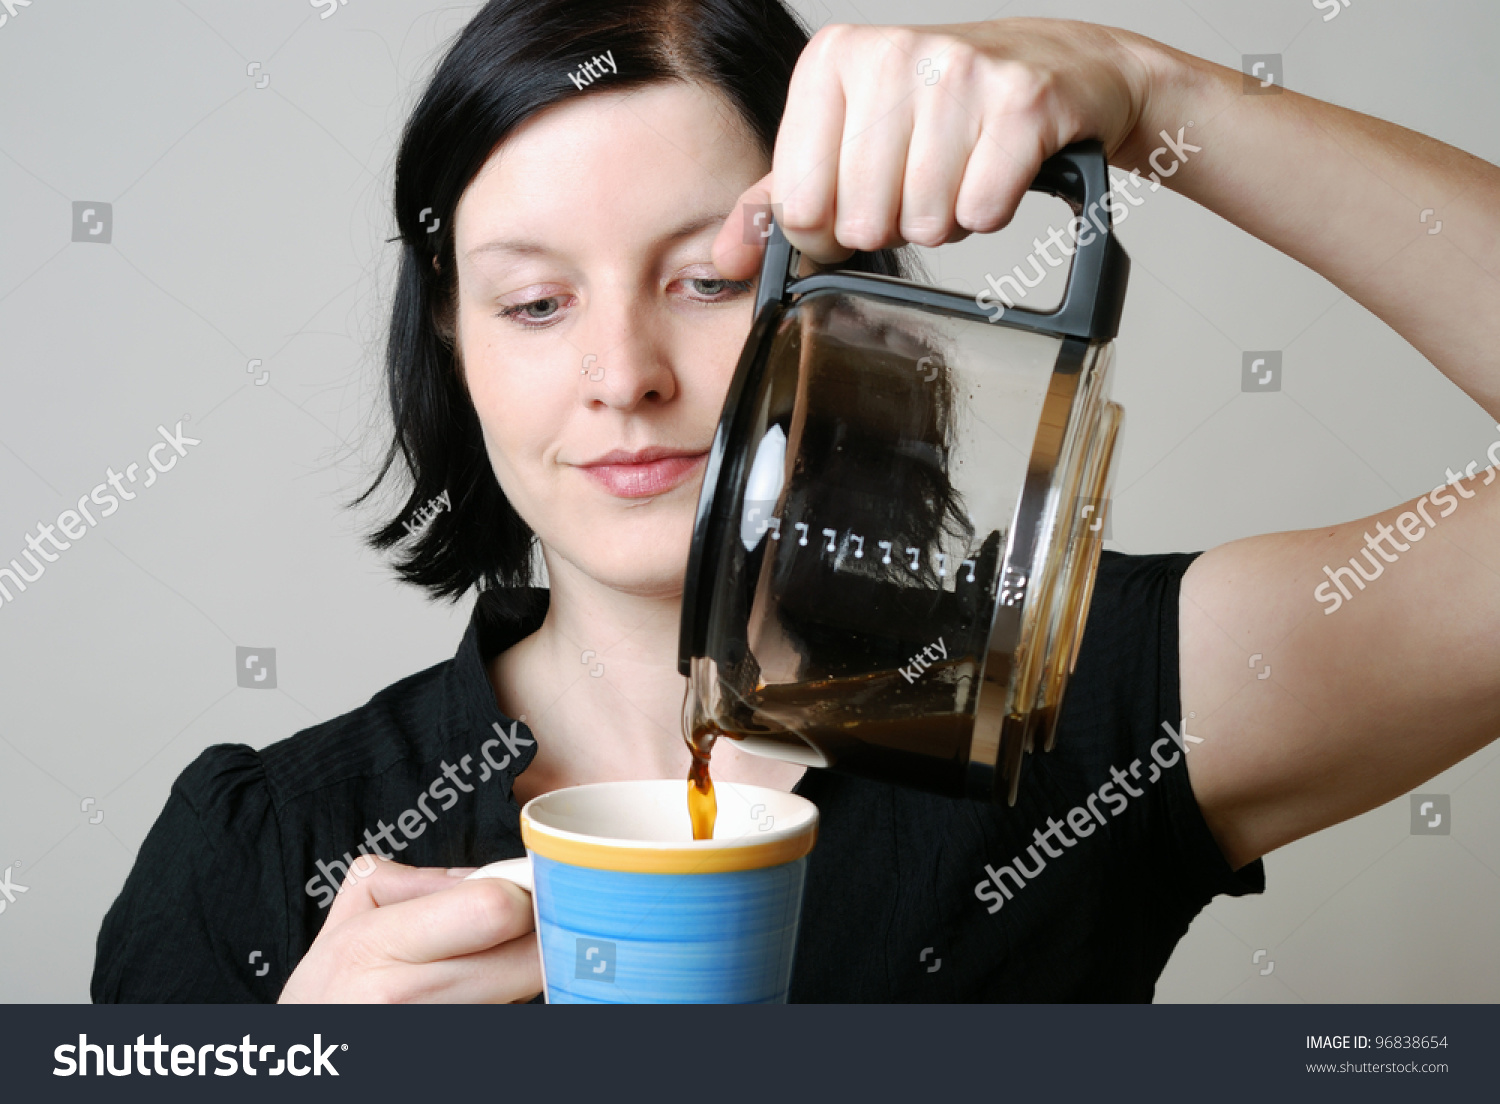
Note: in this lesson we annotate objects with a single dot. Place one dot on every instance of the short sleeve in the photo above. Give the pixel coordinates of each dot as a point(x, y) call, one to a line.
point(202, 916)
point(1133, 654)
point(1203, 861)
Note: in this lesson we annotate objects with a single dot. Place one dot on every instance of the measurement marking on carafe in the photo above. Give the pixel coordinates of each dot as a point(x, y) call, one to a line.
point(1016, 586)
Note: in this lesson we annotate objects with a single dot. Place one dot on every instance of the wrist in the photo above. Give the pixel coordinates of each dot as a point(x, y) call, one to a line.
point(1164, 84)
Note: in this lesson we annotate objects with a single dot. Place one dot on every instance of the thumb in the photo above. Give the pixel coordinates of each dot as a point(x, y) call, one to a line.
point(742, 239)
point(741, 243)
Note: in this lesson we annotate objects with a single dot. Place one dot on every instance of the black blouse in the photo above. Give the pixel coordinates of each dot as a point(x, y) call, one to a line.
point(1077, 893)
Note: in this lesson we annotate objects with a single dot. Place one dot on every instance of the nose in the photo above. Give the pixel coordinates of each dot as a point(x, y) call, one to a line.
point(627, 363)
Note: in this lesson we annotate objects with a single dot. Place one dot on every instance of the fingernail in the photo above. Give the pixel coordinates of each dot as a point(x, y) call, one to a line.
point(461, 871)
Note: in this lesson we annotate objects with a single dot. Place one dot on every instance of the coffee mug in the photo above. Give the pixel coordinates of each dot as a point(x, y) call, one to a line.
point(631, 909)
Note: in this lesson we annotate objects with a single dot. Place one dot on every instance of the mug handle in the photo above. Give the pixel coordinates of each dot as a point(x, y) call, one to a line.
point(517, 871)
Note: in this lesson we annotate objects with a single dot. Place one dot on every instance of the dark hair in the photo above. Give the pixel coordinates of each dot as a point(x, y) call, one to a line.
point(509, 62)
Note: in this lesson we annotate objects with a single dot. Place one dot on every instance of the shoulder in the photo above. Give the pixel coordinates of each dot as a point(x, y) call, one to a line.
point(384, 733)
point(215, 786)
point(204, 892)
point(205, 913)
point(368, 740)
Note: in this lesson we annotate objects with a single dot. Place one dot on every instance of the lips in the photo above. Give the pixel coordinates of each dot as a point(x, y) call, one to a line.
point(643, 474)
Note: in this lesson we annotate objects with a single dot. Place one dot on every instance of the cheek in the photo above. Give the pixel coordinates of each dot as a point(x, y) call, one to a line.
point(520, 412)
point(715, 353)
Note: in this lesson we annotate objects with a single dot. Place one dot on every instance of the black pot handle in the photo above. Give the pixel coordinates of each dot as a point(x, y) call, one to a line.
point(1095, 295)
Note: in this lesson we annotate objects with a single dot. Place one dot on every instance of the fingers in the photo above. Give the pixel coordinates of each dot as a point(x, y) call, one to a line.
point(870, 155)
point(463, 919)
point(872, 164)
point(806, 166)
point(508, 973)
point(943, 136)
point(429, 913)
point(374, 882)
point(736, 253)
point(403, 933)
point(1023, 125)
point(994, 180)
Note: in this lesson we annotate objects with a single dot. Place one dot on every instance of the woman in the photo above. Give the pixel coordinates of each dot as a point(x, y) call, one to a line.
point(575, 287)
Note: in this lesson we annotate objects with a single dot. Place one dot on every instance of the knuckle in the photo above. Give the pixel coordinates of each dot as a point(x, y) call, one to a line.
point(906, 42)
point(980, 220)
point(981, 207)
point(928, 230)
point(496, 908)
point(367, 868)
point(894, 48)
point(802, 211)
point(1026, 89)
point(831, 38)
point(383, 988)
point(861, 233)
point(961, 60)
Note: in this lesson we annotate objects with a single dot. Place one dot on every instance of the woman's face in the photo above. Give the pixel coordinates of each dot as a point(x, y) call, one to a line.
point(592, 325)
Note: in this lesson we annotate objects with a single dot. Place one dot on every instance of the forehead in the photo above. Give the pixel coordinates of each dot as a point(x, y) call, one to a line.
point(595, 163)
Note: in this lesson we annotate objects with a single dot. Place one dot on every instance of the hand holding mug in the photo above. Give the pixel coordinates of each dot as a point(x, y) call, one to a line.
point(404, 934)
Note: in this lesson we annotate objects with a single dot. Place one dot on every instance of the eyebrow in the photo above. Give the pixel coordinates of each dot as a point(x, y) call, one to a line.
point(531, 247)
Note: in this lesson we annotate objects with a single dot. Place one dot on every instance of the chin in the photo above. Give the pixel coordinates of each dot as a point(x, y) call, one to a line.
point(655, 579)
point(647, 559)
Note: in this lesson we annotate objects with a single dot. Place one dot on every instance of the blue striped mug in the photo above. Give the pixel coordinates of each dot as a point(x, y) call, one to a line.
point(630, 909)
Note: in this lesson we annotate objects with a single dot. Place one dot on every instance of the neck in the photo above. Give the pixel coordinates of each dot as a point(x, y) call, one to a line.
point(598, 683)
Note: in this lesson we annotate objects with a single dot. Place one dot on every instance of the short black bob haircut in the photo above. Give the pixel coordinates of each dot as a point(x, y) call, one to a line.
point(509, 62)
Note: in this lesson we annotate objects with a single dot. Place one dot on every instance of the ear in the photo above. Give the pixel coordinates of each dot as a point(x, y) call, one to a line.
point(443, 322)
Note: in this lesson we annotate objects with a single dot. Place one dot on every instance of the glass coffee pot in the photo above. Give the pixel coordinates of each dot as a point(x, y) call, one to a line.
point(902, 514)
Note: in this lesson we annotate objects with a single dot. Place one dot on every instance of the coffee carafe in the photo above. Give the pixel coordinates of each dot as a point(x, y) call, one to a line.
point(902, 513)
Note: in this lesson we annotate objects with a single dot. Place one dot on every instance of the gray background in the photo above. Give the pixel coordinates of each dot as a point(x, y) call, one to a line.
point(248, 224)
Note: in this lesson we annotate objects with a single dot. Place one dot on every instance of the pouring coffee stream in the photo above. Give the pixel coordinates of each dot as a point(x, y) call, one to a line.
point(901, 517)
point(703, 805)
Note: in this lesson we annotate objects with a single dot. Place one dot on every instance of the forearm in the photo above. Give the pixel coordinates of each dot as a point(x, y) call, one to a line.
point(1344, 194)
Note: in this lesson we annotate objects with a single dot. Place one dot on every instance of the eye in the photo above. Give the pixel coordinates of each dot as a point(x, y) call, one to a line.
point(539, 313)
point(534, 312)
point(715, 289)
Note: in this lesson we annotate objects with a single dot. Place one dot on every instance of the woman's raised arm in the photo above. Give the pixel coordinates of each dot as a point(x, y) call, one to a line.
point(1401, 223)
point(1377, 682)
point(1377, 637)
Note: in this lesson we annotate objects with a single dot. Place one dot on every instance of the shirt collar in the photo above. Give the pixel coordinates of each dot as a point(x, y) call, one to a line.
point(473, 717)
